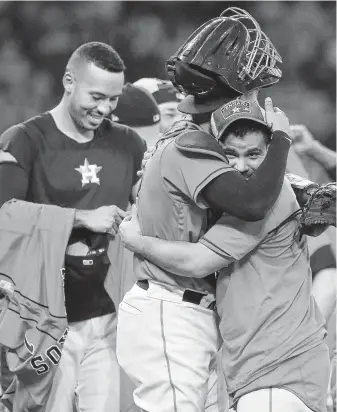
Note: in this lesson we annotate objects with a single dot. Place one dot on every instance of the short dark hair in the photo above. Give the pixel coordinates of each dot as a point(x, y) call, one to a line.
point(100, 54)
point(241, 127)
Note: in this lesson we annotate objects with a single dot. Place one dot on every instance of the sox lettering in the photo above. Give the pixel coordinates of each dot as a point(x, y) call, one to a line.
point(53, 353)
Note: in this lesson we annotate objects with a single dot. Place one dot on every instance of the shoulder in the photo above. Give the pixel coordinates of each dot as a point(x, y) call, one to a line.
point(118, 130)
point(200, 143)
point(13, 134)
point(29, 130)
point(123, 135)
point(23, 140)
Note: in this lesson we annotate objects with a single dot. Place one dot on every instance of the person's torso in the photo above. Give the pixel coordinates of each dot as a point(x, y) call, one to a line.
point(169, 215)
point(264, 301)
point(80, 175)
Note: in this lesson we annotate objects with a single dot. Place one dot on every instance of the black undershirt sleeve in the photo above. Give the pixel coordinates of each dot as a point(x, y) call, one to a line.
point(332, 173)
point(13, 182)
point(322, 258)
point(251, 199)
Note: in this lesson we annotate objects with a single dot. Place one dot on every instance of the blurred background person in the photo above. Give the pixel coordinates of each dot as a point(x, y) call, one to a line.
point(138, 109)
point(147, 32)
point(318, 160)
point(167, 98)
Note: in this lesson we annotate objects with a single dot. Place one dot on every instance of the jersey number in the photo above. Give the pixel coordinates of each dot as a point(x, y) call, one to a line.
point(53, 354)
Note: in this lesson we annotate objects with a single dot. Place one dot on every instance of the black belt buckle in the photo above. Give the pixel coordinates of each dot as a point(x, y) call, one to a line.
point(192, 296)
point(144, 284)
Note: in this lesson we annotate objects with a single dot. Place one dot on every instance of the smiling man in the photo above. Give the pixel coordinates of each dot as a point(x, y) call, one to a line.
point(274, 356)
point(74, 156)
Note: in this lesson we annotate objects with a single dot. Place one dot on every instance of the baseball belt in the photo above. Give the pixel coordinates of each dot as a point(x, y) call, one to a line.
point(189, 295)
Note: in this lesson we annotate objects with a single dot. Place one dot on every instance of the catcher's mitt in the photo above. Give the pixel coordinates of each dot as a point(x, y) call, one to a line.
point(320, 211)
point(318, 205)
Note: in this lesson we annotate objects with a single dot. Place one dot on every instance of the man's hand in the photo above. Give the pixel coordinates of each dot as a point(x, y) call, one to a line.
point(105, 219)
point(303, 140)
point(130, 232)
point(275, 118)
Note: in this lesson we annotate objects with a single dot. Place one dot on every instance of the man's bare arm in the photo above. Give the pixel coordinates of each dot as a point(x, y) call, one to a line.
point(181, 258)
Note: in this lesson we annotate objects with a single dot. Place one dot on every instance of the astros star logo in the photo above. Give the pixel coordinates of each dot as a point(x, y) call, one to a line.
point(89, 172)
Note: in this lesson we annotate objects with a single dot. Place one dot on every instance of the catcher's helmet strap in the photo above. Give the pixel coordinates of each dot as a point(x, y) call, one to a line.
point(200, 142)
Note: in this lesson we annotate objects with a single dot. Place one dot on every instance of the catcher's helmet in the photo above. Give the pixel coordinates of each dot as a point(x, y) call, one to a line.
point(229, 52)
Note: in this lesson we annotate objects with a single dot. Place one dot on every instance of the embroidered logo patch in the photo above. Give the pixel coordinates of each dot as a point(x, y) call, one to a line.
point(235, 107)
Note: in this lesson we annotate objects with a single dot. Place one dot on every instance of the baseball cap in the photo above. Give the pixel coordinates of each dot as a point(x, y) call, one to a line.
point(136, 108)
point(162, 90)
point(235, 110)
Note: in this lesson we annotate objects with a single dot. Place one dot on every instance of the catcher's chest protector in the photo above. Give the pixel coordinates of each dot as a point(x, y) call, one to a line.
point(200, 142)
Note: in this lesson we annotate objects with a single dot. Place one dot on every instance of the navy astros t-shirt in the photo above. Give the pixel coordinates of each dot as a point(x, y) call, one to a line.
point(76, 175)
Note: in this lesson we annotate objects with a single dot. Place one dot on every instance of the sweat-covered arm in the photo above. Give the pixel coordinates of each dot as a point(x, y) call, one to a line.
point(180, 258)
point(251, 199)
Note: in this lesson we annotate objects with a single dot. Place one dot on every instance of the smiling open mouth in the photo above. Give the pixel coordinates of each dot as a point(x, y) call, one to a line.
point(95, 118)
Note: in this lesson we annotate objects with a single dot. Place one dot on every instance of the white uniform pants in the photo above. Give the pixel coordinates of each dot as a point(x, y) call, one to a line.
point(168, 349)
point(88, 374)
point(271, 400)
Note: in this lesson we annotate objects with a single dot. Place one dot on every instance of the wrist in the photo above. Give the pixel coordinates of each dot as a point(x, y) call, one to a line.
point(312, 148)
point(139, 244)
point(280, 134)
point(81, 218)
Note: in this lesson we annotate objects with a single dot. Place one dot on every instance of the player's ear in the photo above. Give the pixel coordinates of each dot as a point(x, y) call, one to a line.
point(68, 81)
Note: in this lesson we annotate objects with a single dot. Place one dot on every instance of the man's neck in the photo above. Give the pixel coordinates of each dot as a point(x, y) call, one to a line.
point(206, 127)
point(67, 126)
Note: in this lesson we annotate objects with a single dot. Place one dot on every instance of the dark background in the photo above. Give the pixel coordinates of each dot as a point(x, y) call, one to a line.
point(37, 38)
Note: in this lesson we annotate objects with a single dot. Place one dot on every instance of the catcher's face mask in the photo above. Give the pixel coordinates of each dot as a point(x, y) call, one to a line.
point(230, 50)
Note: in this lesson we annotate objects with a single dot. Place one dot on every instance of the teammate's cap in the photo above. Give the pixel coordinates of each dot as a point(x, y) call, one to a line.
point(162, 90)
point(235, 110)
point(136, 108)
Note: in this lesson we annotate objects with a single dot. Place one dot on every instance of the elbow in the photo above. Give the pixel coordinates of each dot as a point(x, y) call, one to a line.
point(257, 211)
point(254, 215)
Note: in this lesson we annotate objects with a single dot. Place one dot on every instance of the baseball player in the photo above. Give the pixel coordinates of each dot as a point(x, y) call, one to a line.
point(167, 98)
point(73, 156)
point(274, 355)
point(186, 175)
